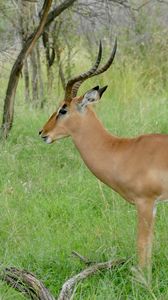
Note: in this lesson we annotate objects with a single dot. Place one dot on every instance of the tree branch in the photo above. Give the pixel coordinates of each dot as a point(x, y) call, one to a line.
point(84, 259)
point(46, 19)
point(68, 286)
point(31, 287)
point(58, 10)
point(26, 283)
point(16, 71)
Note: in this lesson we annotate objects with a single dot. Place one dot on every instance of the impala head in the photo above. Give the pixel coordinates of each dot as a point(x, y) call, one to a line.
point(74, 109)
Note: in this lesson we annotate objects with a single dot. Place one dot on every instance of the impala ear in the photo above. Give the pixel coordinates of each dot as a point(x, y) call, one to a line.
point(92, 96)
point(102, 90)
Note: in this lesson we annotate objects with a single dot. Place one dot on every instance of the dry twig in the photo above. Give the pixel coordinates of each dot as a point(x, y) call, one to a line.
point(83, 258)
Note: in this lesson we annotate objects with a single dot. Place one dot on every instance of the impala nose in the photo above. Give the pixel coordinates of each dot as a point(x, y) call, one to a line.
point(45, 138)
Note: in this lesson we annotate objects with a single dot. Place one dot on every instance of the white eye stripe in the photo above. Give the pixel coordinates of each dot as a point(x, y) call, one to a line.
point(58, 111)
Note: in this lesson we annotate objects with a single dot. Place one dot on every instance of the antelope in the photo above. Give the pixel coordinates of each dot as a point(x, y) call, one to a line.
point(136, 168)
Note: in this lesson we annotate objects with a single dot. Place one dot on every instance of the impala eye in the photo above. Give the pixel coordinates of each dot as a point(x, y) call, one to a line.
point(63, 110)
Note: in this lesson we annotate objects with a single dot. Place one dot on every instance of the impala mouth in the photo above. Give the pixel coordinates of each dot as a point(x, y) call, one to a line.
point(47, 139)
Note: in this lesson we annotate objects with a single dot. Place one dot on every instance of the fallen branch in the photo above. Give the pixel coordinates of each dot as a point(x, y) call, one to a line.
point(31, 287)
point(68, 286)
point(84, 259)
point(26, 283)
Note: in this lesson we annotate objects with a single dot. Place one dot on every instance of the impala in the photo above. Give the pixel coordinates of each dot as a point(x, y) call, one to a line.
point(136, 168)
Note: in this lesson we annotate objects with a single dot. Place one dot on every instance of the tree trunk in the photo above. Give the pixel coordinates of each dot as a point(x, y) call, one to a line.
point(46, 44)
point(26, 81)
point(46, 19)
point(8, 113)
point(40, 78)
point(16, 71)
point(24, 10)
point(61, 73)
point(34, 77)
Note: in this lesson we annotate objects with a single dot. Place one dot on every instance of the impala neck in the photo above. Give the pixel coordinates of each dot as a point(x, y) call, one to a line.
point(95, 145)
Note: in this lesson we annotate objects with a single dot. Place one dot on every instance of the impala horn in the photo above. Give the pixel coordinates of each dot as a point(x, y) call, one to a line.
point(73, 84)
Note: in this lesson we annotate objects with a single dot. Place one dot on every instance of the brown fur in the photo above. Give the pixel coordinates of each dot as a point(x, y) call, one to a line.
point(136, 168)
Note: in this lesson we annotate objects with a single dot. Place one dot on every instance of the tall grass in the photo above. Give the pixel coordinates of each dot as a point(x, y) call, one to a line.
point(51, 204)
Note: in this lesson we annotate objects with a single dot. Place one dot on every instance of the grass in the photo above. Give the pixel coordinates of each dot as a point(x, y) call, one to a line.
point(51, 204)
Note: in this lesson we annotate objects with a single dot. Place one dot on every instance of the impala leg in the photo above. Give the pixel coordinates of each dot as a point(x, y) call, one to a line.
point(146, 216)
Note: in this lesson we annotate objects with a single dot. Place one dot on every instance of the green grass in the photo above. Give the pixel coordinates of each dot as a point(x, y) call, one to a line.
point(50, 204)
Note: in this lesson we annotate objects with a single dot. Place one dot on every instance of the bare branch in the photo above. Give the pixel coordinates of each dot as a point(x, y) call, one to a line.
point(83, 258)
point(26, 283)
point(142, 5)
point(68, 286)
point(163, 1)
point(57, 11)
